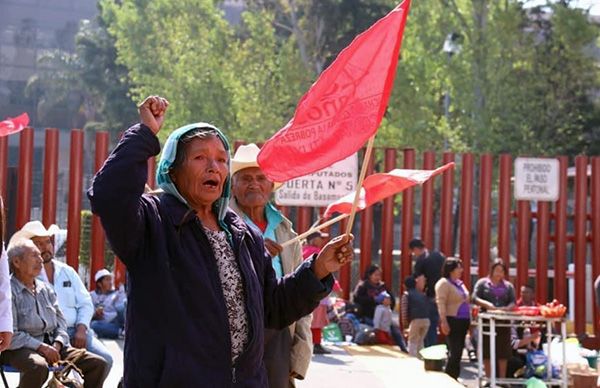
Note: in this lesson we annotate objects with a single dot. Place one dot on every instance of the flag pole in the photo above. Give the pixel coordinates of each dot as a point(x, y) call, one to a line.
point(315, 228)
point(363, 172)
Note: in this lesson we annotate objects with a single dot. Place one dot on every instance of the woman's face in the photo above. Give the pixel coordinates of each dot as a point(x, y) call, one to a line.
point(498, 273)
point(201, 176)
point(375, 277)
point(457, 272)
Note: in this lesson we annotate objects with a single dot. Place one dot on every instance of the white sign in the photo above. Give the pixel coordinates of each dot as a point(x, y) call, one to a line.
point(322, 187)
point(536, 179)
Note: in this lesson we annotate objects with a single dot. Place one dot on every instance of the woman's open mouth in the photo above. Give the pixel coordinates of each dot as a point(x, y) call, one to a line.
point(210, 184)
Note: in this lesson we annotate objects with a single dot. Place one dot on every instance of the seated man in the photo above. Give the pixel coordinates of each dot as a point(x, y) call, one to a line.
point(109, 317)
point(40, 337)
point(523, 339)
point(73, 297)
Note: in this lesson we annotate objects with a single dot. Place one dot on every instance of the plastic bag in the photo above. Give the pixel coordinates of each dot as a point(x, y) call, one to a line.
point(535, 383)
point(536, 365)
point(332, 333)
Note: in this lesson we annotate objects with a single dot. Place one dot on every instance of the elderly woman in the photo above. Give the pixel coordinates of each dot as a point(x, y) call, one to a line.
point(6, 329)
point(452, 299)
point(41, 337)
point(202, 287)
point(494, 292)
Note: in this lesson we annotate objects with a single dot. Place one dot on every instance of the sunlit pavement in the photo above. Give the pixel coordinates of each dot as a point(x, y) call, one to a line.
point(372, 367)
point(356, 366)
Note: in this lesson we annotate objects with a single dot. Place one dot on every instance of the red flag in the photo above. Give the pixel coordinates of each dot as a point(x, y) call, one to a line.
point(343, 108)
point(14, 125)
point(379, 186)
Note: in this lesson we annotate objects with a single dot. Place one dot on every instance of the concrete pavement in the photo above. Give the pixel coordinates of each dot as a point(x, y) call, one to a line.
point(347, 366)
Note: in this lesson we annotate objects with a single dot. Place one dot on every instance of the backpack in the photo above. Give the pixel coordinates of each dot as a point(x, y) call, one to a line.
point(349, 325)
point(365, 335)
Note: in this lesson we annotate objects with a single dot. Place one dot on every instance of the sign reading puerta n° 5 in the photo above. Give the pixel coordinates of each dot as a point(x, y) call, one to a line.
point(322, 187)
point(537, 179)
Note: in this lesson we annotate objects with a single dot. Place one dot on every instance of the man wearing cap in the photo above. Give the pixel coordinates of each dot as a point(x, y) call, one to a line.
point(73, 298)
point(251, 194)
point(428, 263)
point(109, 315)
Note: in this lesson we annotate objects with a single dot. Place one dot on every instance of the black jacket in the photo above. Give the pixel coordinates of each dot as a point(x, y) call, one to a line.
point(430, 264)
point(177, 326)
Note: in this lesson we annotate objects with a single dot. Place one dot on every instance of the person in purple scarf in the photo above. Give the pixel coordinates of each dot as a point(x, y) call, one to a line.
point(452, 299)
point(494, 292)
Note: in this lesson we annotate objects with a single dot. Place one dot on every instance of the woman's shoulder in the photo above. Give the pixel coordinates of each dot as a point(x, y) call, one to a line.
point(508, 284)
point(442, 284)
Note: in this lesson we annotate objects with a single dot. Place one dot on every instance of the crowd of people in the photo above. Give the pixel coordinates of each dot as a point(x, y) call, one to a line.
point(242, 301)
point(438, 304)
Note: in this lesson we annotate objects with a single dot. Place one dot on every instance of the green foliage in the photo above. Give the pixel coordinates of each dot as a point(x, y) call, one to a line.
point(86, 86)
point(85, 244)
point(85, 250)
point(103, 77)
point(269, 78)
point(245, 81)
point(523, 82)
point(177, 49)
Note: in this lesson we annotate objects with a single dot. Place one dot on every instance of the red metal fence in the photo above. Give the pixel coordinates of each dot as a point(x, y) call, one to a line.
point(466, 212)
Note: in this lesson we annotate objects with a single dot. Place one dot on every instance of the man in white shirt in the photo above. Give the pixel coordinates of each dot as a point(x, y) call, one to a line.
point(73, 298)
point(109, 317)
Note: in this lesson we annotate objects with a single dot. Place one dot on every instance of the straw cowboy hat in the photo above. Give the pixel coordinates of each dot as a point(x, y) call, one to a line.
point(33, 229)
point(245, 157)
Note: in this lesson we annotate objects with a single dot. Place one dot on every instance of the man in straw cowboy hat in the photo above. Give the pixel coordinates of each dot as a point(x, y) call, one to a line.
point(73, 298)
point(287, 351)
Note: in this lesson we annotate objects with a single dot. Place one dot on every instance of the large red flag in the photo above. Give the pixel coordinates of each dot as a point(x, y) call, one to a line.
point(343, 108)
point(14, 125)
point(379, 186)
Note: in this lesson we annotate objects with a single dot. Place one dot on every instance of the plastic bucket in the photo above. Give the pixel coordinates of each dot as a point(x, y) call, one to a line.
point(434, 365)
point(434, 357)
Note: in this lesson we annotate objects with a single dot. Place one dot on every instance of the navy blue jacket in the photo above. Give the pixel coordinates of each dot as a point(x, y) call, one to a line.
point(430, 264)
point(177, 326)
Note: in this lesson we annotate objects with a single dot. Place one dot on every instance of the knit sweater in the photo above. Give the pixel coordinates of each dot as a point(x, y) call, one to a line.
point(448, 298)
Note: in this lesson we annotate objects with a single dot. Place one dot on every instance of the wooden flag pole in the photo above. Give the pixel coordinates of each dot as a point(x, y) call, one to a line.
point(363, 172)
point(314, 229)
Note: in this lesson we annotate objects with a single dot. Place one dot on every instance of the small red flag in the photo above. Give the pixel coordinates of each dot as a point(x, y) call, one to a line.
point(343, 108)
point(379, 186)
point(14, 125)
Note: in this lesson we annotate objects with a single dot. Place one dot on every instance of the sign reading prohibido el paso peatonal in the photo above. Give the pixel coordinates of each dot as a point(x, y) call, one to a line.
point(322, 187)
point(536, 179)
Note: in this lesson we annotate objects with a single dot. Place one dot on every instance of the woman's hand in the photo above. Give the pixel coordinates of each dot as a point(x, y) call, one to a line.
point(152, 112)
point(444, 326)
point(334, 255)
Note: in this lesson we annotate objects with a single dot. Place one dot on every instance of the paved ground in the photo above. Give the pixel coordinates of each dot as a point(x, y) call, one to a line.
point(371, 367)
point(346, 366)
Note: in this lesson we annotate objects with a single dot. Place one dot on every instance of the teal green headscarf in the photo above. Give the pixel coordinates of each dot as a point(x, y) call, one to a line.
point(163, 179)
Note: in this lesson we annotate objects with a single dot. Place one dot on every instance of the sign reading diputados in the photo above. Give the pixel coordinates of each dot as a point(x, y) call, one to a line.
point(322, 187)
point(536, 179)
